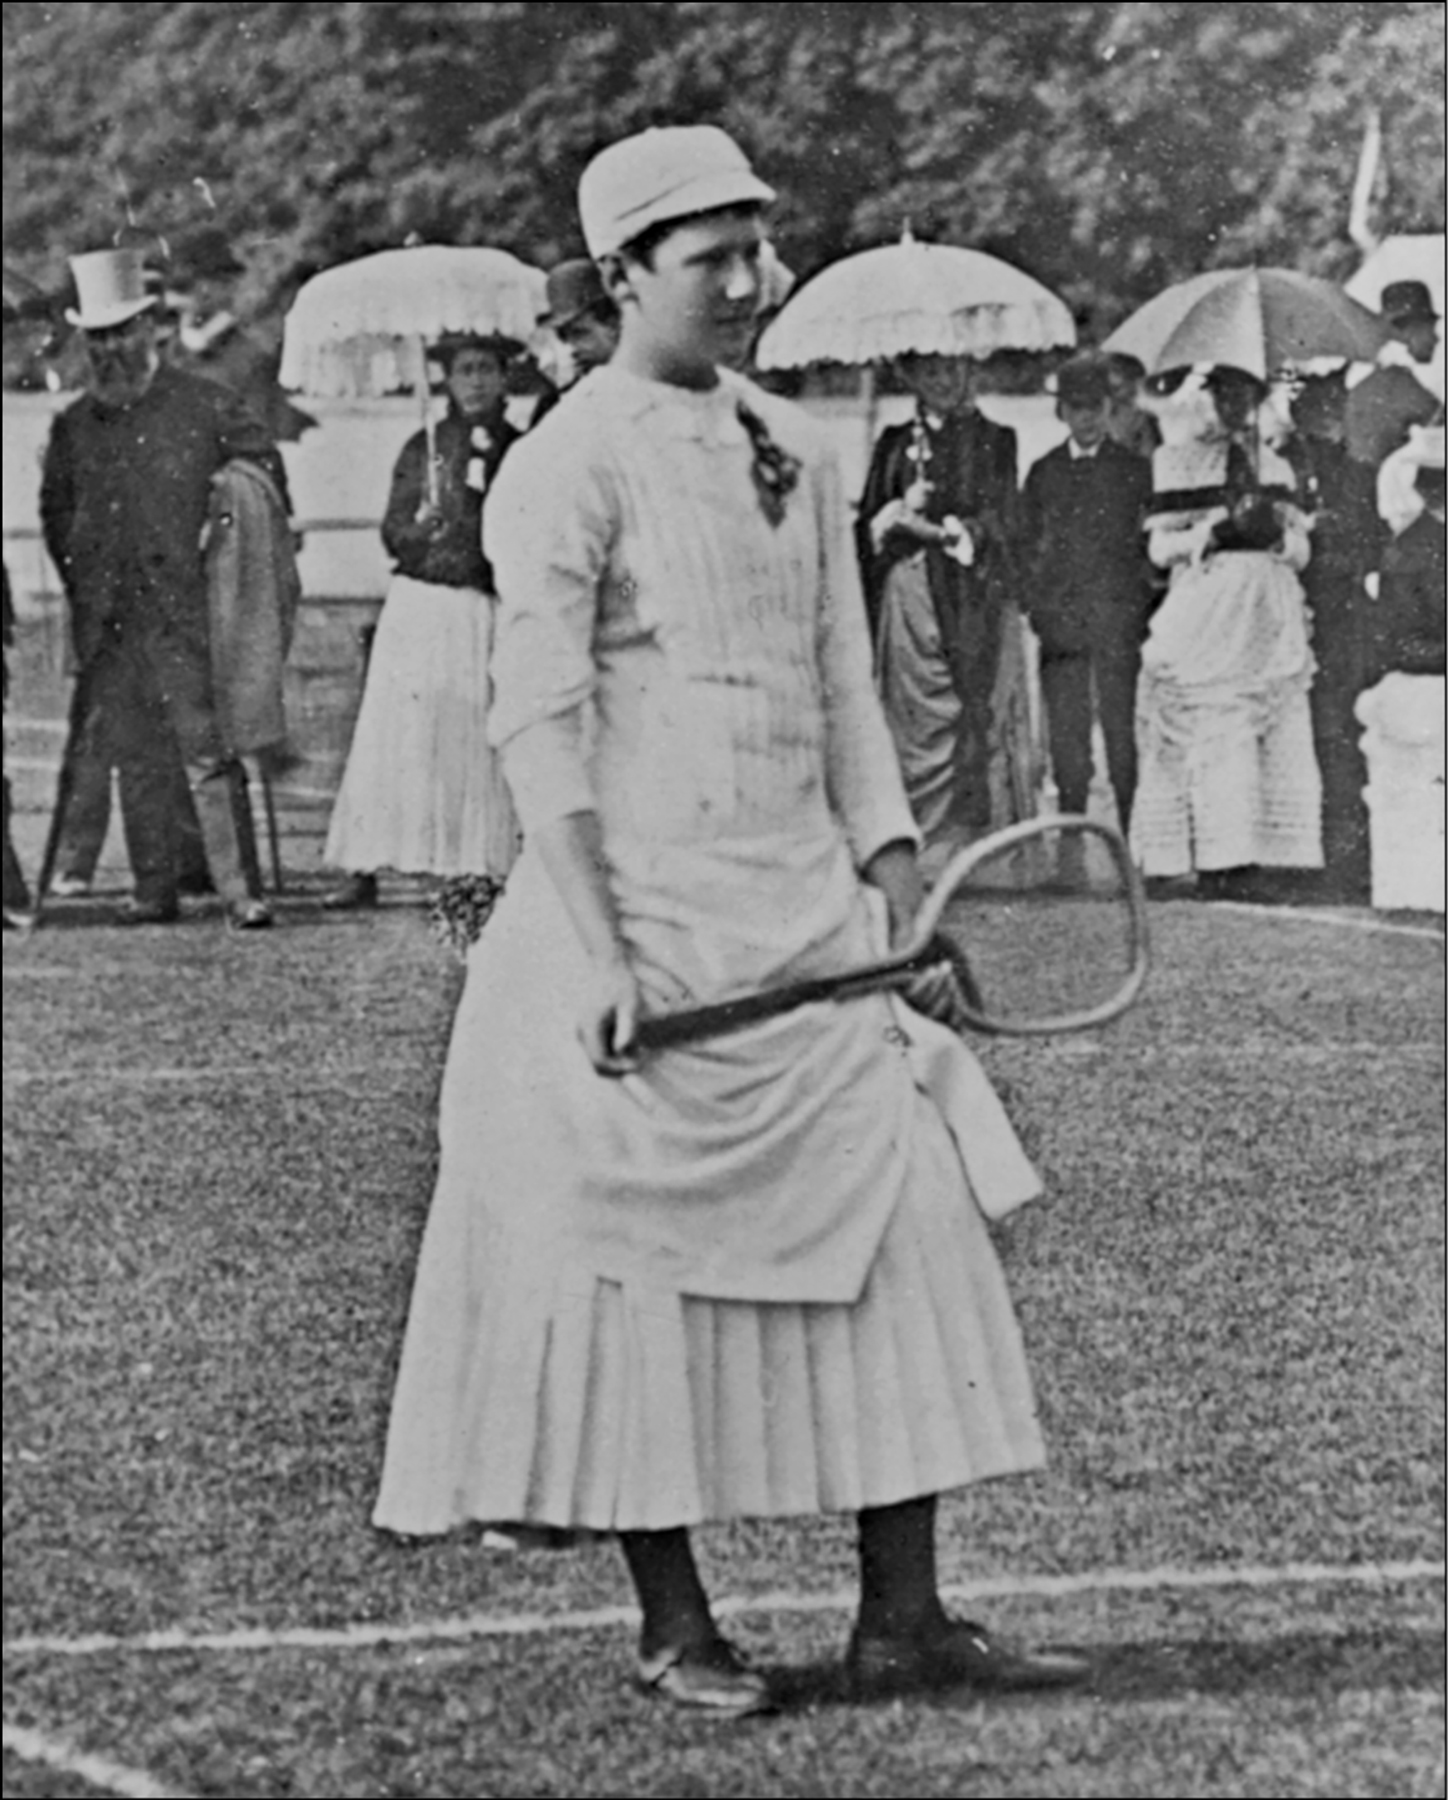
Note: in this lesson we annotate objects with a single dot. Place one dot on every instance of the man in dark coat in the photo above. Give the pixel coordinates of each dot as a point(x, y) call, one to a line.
point(946, 482)
point(1410, 633)
point(1348, 539)
point(1087, 589)
point(124, 496)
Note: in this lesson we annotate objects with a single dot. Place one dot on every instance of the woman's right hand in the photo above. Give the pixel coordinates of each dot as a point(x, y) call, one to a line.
point(609, 1017)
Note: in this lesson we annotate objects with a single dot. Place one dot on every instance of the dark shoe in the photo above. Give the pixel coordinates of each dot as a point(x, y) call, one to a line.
point(956, 1653)
point(250, 915)
point(147, 912)
point(354, 894)
point(196, 882)
point(712, 1678)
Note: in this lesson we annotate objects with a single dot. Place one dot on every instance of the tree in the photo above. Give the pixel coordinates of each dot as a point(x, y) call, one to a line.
point(1108, 148)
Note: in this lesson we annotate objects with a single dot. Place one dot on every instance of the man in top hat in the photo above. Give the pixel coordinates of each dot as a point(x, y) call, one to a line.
point(1382, 409)
point(1088, 588)
point(124, 501)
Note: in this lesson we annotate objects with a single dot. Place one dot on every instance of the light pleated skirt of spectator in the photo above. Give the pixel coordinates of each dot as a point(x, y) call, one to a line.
point(423, 792)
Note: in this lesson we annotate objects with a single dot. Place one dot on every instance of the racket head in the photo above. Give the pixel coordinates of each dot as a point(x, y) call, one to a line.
point(1050, 917)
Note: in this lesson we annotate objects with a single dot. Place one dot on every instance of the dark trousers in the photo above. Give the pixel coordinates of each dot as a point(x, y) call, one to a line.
point(1338, 602)
point(1067, 682)
point(155, 694)
point(972, 643)
point(90, 757)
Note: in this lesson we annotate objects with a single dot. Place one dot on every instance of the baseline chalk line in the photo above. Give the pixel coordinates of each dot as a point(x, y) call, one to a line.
point(99, 1771)
point(533, 1624)
point(1298, 915)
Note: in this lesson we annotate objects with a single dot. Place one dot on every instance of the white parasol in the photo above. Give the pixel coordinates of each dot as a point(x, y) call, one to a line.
point(362, 329)
point(353, 331)
point(929, 299)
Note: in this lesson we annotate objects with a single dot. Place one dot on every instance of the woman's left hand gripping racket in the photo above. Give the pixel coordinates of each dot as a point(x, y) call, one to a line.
point(1043, 926)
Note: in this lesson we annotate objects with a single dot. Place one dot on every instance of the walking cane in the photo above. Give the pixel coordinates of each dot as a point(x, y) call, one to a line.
point(273, 834)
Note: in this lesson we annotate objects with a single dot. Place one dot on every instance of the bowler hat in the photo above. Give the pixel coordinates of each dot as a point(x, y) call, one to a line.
point(111, 287)
point(573, 288)
point(1084, 381)
point(669, 172)
point(1408, 303)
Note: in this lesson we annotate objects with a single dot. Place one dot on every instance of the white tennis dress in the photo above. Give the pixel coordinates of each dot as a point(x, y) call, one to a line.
point(755, 1277)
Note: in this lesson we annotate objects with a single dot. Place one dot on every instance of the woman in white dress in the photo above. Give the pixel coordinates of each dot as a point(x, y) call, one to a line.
point(750, 1276)
point(423, 792)
point(1229, 780)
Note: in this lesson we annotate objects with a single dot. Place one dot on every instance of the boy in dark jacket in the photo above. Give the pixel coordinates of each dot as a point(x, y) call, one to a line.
point(1088, 590)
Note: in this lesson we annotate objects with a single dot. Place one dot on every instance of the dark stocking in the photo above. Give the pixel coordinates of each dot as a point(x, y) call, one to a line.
point(898, 1591)
point(671, 1595)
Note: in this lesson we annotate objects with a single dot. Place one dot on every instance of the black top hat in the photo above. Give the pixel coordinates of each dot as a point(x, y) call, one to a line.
point(1408, 303)
point(573, 288)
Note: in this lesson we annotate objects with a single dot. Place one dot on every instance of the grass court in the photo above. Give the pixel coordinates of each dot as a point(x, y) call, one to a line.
point(218, 1159)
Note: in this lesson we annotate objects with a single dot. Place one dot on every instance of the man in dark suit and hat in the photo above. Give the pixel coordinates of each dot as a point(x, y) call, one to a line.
point(211, 340)
point(1088, 588)
point(583, 318)
point(1382, 409)
point(124, 500)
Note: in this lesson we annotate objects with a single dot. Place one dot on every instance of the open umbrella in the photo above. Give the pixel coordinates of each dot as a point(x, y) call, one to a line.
point(930, 299)
point(1260, 320)
point(362, 329)
point(354, 331)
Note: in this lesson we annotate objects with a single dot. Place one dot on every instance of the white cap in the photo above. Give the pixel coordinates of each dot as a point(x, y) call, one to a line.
point(669, 172)
point(111, 285)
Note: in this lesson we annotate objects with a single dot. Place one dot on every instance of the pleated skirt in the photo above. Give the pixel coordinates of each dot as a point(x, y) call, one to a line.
point(423, 791)
point(529, 1391)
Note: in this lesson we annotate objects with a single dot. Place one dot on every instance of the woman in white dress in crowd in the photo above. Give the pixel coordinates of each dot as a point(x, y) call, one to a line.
point(1229, 781)
point(423, 792)
point(750, 1276)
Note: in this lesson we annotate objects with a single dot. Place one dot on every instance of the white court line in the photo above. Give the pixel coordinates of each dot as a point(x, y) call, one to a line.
point(347, 1079)
point(1301, 916)
point(485, 1625)
point(99, 1771)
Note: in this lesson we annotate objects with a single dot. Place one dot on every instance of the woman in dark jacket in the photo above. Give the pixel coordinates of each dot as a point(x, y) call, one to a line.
point(422, 793)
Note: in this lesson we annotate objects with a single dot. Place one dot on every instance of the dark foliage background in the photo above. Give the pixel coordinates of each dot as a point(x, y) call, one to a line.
point(1108, 148)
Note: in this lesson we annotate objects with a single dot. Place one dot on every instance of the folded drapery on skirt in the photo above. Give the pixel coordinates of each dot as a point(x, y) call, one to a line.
point(423, 791)
point(528, 1393)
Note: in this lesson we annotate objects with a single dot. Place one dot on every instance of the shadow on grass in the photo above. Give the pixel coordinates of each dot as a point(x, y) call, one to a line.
point(1308, 1666)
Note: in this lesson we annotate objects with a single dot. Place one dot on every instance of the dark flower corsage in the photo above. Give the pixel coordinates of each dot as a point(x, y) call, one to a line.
point(460, 908)
point(774, 471)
